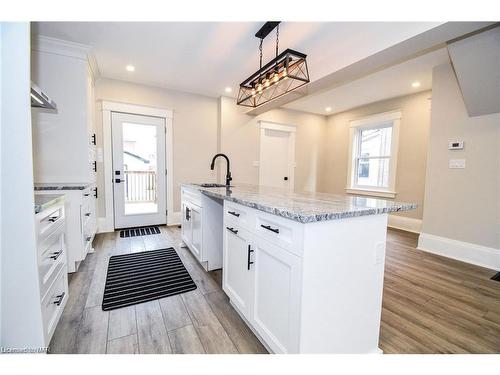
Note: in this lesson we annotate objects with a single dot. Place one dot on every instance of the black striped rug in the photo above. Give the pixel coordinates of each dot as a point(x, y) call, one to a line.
point(145, 276)
point(135, 232)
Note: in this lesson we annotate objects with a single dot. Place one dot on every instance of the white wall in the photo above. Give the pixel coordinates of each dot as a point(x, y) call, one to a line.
point(20, 326)
point(462, 204)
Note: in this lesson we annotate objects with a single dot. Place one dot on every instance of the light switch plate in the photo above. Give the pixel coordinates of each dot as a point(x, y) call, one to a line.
point(457, 163)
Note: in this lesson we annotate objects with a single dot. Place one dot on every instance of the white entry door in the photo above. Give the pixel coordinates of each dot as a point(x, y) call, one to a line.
point(138, 170)
point(277, 155)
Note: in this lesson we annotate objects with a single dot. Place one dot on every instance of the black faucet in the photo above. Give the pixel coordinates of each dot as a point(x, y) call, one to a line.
point(228, 172)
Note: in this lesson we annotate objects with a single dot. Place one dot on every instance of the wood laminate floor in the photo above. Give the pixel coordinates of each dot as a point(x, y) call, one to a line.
point(431, 305)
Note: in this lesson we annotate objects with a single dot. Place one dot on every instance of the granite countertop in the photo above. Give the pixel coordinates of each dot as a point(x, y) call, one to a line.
point(61, 186)
point(45, 201)
point(304, 207)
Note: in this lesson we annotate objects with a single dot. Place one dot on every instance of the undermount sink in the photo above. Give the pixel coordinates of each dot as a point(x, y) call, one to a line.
point(211, 185)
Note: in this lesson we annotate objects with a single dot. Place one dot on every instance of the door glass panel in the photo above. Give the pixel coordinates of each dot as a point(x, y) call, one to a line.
point(140, 168)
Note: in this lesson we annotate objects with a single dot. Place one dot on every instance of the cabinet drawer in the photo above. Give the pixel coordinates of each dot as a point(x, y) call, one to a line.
point(280, 231)
point(51, 260)
point(237, 214)
point(51, 222)
point(53, 304)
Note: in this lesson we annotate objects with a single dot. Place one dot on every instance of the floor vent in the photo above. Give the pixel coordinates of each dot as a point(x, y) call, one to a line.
point(144, 276)
point(135, 232)
point(496, 277)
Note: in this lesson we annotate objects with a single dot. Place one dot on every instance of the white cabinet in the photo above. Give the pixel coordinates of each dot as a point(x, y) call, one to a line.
point(237, 267)
point(276, 296)
point(201, 229)
point(305, 288)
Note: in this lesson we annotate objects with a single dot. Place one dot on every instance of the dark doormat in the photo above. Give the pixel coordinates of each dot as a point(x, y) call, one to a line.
point(145, 276)
point(135, 232)
point(496, 277)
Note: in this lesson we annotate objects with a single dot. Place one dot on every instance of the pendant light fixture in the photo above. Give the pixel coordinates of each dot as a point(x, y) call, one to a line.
point(285, 73)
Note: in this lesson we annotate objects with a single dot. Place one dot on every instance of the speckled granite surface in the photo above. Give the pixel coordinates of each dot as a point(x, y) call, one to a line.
point(69, 186)
point(304, 207)
point(43, 202)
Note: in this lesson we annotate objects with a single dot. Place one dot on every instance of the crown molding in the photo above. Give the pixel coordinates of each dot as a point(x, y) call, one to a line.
point(56, 46)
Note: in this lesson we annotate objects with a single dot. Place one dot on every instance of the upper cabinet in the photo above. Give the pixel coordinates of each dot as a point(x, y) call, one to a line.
point(64, 141)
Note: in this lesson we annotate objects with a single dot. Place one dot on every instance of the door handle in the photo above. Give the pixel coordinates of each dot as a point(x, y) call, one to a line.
point(250, 251)
point(268, 227)
point(235, 231)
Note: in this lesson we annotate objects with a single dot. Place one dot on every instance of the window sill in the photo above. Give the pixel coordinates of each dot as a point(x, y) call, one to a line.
point(372, 193)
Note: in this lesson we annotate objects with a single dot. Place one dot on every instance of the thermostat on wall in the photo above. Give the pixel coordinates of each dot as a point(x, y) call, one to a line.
point(456, 145)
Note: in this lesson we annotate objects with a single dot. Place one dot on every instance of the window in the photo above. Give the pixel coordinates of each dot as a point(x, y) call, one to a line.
point(373, 151)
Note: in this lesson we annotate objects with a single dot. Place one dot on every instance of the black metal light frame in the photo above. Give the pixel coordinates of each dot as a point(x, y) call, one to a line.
point(286, 72)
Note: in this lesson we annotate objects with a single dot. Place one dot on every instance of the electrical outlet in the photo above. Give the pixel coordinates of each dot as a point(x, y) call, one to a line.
point(457, 163)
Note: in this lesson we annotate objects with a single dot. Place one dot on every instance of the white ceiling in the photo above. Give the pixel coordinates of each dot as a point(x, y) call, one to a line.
point(388, 83)
point(205, 57)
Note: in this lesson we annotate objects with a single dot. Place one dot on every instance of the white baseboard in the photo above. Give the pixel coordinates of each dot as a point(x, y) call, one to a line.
point(174, 219)
point(483, 256)
point(102, 226)
point(405, 223)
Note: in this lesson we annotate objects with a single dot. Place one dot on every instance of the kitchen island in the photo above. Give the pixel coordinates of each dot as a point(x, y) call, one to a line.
point(304, 270)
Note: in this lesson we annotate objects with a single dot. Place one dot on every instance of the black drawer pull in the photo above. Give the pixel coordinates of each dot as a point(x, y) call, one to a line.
point(268, 227)
point(248, 258)
point(86, 194)
point(235, 231)
point(95, 192)
point(59, 299)
point(88, 238)
point(87, 214)
point(53, 218)
point(233, 213)
point(56, 255)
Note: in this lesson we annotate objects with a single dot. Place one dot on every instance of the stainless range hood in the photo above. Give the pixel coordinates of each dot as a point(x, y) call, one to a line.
point(40, 100)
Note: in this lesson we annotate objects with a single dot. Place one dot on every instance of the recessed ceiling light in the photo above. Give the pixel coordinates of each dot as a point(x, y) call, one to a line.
point(328, 109)
point(130, 68)
point(228, 89)
point(415, 84)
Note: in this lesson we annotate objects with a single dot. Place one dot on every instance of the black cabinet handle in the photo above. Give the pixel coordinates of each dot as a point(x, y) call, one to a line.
point(250, 251)
point(233, 213)
point(117, 180)
point(93, 139)
point(188, 216)
point(95, 192)
point(268, 227)
point(53, 218)
point(59, 299)
point(87, 214)
point(235, 231)
point(88, 238)
point(55, 255)
point(95, 166)
point(86, 194)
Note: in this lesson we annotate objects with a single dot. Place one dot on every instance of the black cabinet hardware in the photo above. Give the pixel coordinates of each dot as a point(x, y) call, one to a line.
point(86, 194)
point(56, 255)
point(59, 299)
point(93, 139)
point(188, 214)
point(88, 238)
point(268, 227)
point(95, 166)
point(117, 173)
point(95, 192)
point(233, 213)
point(250, 251)
point(117, 180)
point(235, 231)
point(285, 178)
point(87, 214)
point(53, 218)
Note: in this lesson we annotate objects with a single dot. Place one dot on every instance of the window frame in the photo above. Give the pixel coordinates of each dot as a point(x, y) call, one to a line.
point(378, 121)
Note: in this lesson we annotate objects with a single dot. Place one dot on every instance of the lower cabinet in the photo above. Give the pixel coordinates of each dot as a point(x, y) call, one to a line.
point(191, 228)
point(262, 281)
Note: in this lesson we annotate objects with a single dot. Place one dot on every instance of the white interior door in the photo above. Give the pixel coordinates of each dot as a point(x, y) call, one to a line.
point(277, 155)
point(138, 170)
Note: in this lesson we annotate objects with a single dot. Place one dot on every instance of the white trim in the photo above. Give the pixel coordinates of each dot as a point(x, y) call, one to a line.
point(407, 224)
point(479, 255)
point(371, 122)
point(174, 219)
point(276, 126)
point(264, 125)
point(107, 108)
point(102, 227)
point(372, 193)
